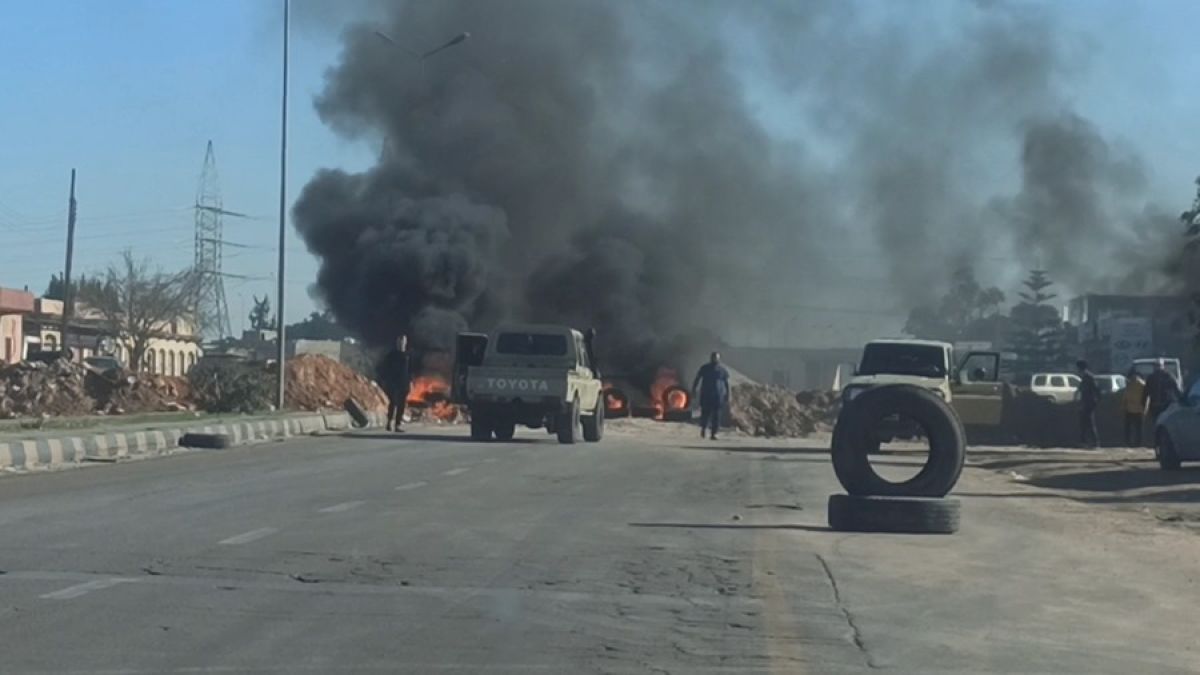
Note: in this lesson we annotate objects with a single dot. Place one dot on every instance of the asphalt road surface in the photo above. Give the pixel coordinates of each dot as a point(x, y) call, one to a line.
point(652, 552)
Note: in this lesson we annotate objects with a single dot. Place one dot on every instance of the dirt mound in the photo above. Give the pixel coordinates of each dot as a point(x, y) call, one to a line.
point(763, 410)
point(36, 389)
point(146, 393)
point(315, 382)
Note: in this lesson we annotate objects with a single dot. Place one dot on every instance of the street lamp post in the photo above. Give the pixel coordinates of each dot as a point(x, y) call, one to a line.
point(281, 346)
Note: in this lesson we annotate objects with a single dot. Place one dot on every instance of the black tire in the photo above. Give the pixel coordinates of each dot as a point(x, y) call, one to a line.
point(593, 425)
point(505, 430)
point(908, 515)
point(567, 425)
point(481, 428)
point(207, 441)
point(357, 414)
point(1164, 451)
point(854, 438)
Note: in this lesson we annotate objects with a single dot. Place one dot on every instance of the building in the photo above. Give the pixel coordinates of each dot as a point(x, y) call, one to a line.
point(1112, 330)
point(14, 307)
point(173, 350)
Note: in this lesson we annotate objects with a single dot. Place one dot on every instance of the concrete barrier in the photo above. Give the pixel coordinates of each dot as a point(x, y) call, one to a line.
point(44, 451)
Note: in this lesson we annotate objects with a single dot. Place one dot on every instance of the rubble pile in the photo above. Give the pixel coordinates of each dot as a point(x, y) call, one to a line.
point(37, 389)
point(144, 393)
point(763, 410)
point(315, 382)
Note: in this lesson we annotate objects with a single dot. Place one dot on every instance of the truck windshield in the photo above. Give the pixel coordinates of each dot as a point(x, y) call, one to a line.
point(532, 344)
point(903, 359)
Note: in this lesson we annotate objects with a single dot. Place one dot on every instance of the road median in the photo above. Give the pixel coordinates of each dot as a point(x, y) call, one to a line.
point(31, 449)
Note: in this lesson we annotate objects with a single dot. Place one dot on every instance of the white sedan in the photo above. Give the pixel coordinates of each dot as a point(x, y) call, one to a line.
point(1177, 431)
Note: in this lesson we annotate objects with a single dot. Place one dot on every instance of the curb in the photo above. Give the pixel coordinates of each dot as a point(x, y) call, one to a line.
point(116, 445)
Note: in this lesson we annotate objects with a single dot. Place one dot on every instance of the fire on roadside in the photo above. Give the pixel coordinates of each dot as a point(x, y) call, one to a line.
point(667, 394)
point(432, 393)
point(615, 400)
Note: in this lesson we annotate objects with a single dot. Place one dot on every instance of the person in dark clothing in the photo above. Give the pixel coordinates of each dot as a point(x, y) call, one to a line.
point(1089, 398)
point(1161, 391)
point(395, 378)
point(711, 386)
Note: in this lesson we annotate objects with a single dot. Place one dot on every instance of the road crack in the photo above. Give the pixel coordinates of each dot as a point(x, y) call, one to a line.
point(851, 621)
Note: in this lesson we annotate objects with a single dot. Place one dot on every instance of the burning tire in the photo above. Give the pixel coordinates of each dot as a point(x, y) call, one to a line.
point(856, 436)
point(908, 515)
point(567, 424)
point(593, 425)
point(616, 403)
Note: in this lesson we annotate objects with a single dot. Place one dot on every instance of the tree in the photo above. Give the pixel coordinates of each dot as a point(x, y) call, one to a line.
point(138, 304)
point(55, 289)
point(967, 312)
point(1038, 338)
point(1191, 254)
point(260, 316)
point(318, 326)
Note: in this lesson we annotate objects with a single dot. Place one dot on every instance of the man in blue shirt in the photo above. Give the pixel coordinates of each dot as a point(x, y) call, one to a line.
point(712, 387)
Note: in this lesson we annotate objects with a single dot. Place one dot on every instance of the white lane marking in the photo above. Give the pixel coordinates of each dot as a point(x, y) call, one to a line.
point(71, 592)
point(455, 472)
point(411, 486)
point(247, 537)
point(338, 508)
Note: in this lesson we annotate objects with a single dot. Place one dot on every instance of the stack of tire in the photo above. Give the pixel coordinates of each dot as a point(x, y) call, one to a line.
point(917, 505)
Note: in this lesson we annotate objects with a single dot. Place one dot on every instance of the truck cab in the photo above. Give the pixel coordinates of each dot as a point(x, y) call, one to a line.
point(536, 375)
point(971, 385)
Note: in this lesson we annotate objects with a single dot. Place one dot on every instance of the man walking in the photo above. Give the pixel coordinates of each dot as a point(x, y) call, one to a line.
point(395, 378)
point(1133, 404)
point(712, 386)
point(1161, 391)
point(1089, 398)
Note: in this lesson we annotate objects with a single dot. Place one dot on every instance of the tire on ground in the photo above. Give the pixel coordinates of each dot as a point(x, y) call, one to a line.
point(593, 425)
point(908, 515)
point(207, 441)
point(854, 439)
point(357, 414)
point(567, 425)
point(1164, 451)
point(481, 427)
point(504, 430)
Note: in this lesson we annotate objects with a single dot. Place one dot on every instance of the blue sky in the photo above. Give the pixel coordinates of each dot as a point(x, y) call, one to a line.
point(129, 91)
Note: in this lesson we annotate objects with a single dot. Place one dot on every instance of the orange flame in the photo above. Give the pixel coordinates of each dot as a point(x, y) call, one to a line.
point(614, 400)
point(432, 393)
point(677, 399)
point(666, 381)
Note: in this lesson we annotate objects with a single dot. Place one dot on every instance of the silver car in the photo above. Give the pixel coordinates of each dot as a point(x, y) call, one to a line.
point(1177, 431)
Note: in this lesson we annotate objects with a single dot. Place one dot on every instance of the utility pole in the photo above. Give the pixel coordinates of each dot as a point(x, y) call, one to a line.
point(281, 347)
point(68, 293)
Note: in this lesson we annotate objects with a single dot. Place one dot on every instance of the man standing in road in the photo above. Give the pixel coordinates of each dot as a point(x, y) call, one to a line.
point(1133, 404)
point(395, 378)
point(1089, 398)
point(1161, 391)
point(712, 386)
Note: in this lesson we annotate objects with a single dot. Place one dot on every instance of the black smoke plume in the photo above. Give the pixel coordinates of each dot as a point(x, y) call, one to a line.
point(675, 172)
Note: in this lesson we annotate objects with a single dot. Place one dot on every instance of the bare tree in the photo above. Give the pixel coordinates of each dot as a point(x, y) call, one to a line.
point(138, 303)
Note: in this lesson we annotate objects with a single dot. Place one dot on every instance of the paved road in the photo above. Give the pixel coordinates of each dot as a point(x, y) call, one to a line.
point(646, 553)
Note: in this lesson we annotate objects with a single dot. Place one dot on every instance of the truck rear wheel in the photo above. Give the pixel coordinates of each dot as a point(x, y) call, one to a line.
point(481, 428)
point(593, 425)
point(567, 424)
point(505, 430)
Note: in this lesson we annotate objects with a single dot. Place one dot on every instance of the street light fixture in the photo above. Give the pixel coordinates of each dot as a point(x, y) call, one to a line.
point(457, 39)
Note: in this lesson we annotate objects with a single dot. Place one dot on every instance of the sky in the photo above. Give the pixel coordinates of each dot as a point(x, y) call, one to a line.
point(128, 92)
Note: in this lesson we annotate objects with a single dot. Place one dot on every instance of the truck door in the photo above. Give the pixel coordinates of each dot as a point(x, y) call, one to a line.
point(976, 391)
point(469, 349)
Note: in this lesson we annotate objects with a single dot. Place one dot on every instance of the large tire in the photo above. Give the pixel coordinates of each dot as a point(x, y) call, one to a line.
point(567, 425)
point(910, 515)
point(481, 427)
point(357, 414)
point(854, 438)
point(593, 425)
point(505, 430)
point(206, 441)
point(1164, 451)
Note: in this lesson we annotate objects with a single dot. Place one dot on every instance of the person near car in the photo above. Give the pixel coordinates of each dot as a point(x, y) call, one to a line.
point(712, 385)
point(1133, 406)
point(395, 377)
point(1161, 391)
point(1089, 398)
